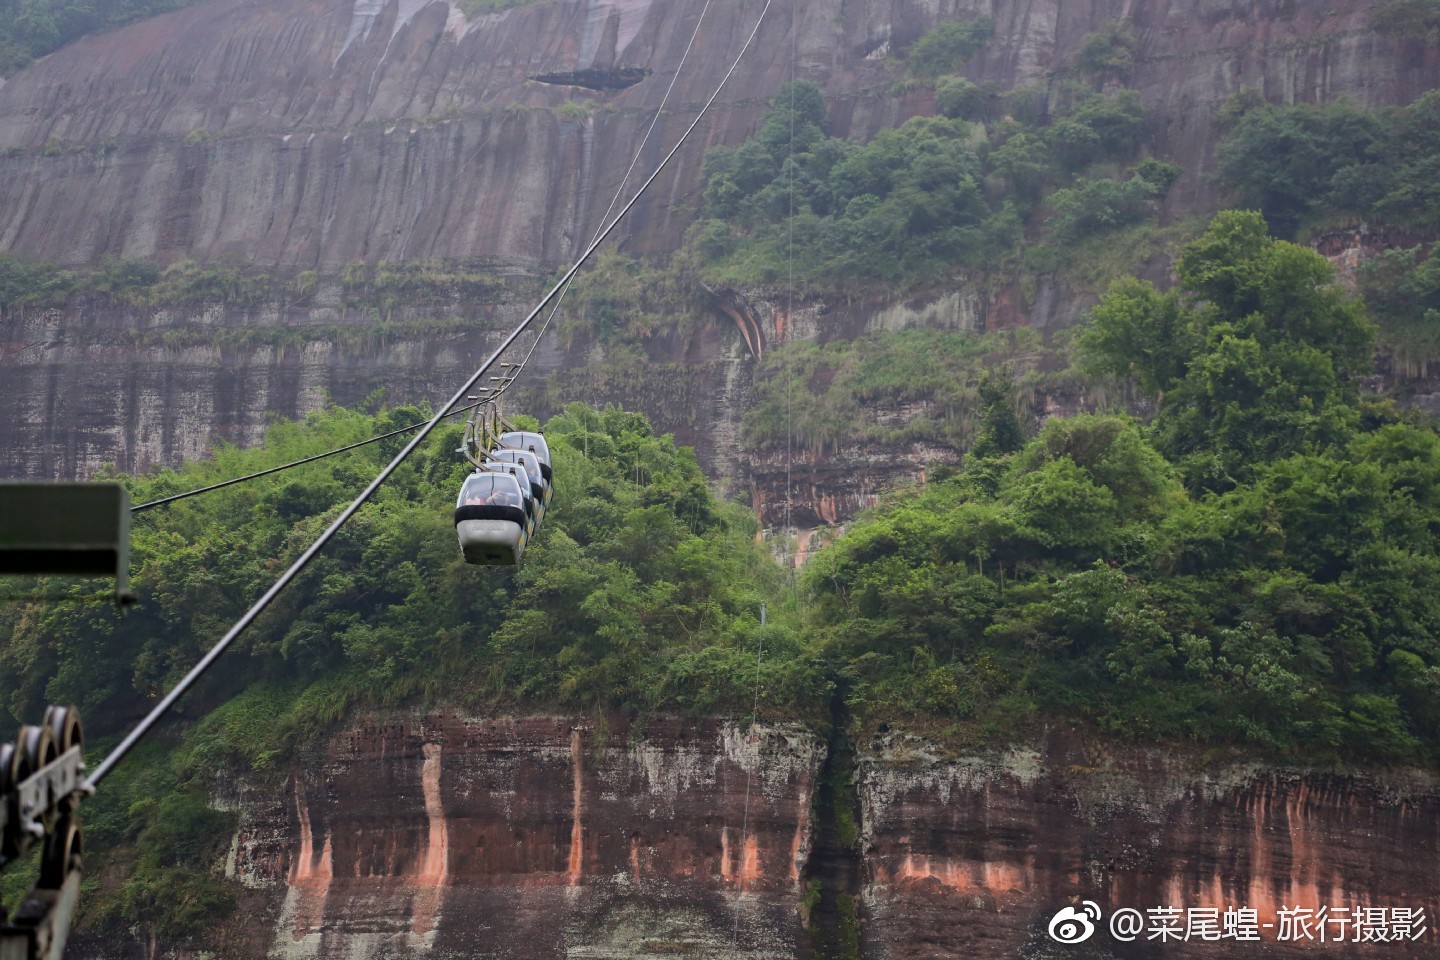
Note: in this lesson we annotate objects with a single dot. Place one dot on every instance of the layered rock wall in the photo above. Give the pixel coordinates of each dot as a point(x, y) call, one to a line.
point(293, 134)
point(321, 132)
point(447, 835)
point(974, 857)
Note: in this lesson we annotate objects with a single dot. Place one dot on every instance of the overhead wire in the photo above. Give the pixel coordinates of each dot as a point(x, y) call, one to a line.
point(295, 463)
point(634, 161)
point(516, 368)
point(790, 315)
point(194, 674)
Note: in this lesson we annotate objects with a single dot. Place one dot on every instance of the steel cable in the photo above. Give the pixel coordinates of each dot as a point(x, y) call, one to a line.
point(150, 719)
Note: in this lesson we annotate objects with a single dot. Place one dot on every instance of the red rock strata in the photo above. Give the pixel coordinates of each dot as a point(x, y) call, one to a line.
point(536, 836)
point(972, 858)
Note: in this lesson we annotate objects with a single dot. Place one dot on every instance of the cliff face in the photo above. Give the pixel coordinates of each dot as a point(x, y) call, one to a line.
point(299, 133)
point(538, 837)
point(293, 134)
point(975, 857)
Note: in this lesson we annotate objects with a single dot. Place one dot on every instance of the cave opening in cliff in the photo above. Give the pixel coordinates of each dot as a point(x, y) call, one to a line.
point(597, 78)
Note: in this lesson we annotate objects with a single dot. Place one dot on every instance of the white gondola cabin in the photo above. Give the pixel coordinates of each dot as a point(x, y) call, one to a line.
point(491, 520)
point(534, 443)
point(532, 505)
point(539, 486)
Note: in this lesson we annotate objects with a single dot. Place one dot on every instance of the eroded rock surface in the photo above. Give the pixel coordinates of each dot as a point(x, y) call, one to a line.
point(304, 133)
point(973, 857)
point(294, 134)
point(543, 837)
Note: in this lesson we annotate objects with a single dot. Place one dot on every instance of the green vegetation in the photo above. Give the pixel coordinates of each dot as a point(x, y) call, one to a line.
point(948, 46)
point(33, 28)
point(960, 99)
point(919, 203)
point(1100, 206)
point(1309, 167)
point(386, 285)
point(1305, 166)
point(143, 283)
point(1408, 19)
point(1261, 362)
point(1252, 569)
point(1109, 52)
point(476, 8)
point(823, 397)
point(641, 594)
point(390, 611)
point(1402, 290)
point(128, 281)
point(619, 299)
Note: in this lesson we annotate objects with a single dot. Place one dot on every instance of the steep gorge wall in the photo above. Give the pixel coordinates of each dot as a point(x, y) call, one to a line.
point(291, 134)
point(305, 133)
point(973, 857)
point(541, 837)
point(447, 834)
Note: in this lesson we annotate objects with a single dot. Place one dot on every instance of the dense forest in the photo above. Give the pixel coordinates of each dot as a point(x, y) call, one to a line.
point(797, 206)
point(1251, 567)
point(641, 593)
point(1249, 570)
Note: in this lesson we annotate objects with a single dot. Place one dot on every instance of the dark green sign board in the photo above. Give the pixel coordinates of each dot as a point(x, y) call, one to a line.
point(77, 528)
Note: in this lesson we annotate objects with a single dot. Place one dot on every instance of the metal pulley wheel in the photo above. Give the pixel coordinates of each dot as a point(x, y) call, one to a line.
point(9, 838)
point(64, 725)
point(65, 729)
point(64, 852)
point(38, 745)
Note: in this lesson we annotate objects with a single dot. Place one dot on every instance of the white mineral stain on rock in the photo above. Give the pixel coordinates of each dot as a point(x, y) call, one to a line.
point(776, 755)
point(959, 310)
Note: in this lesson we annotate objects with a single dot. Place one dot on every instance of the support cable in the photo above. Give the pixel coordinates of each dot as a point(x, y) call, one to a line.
point(634, 161)
point(760, 641)
point(790, 318)
point(515, 372)
point(124, 747)
point(295, 463)
point(749, 776)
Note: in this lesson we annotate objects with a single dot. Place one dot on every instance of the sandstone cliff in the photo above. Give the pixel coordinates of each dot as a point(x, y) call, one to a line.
point(321, 132)
point(973, 857)
point(451, 835)
point(285, 135)
point(448, 835)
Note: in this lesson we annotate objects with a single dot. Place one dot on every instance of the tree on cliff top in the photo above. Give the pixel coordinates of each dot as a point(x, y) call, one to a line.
point(641, 593)
point(1408, 19)
point(1283, 604)
point(1255, 356)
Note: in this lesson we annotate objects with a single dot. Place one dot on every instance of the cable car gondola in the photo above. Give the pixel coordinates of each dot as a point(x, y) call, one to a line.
point(491, 520)
point(539, 486)
point(523, 457)
point(532, 504)
point(532, 442)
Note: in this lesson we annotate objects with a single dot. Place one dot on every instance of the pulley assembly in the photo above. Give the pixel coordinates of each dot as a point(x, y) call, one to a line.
point(41, 783)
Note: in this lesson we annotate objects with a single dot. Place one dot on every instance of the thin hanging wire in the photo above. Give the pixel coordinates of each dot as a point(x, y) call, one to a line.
point(514, 371)
point(790, 318)
point(634, 161)
point(760, 638)
point(751, 737)
point(310, 552)
point(295, 463)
